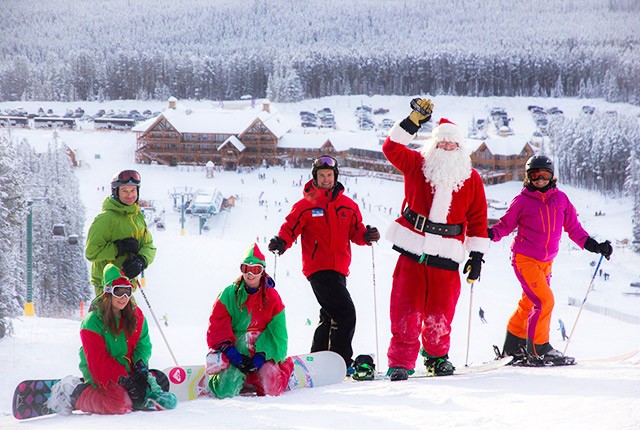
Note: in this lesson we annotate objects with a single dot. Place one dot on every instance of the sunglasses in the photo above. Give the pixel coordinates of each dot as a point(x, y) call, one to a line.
point(254, 269)
point(534, 175)
point(324, 161)
point(129, 176)
point(119, 291)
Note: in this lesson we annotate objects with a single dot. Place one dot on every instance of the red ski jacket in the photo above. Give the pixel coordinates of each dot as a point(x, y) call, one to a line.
point(328, 222)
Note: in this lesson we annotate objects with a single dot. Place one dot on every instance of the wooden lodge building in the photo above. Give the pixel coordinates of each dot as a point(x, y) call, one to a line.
point(248, 136)
point(501, 159)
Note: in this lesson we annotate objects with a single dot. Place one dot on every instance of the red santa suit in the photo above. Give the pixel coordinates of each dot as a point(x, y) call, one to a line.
point(426, 280)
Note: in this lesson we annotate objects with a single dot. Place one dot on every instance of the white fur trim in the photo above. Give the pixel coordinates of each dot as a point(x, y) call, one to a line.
point(479, 244)
point(447, 131)
point(399, 134)
point(430, 244)
point(442, 199)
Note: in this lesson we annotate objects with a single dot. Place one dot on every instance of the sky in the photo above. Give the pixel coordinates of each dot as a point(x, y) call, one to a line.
point(191, 269)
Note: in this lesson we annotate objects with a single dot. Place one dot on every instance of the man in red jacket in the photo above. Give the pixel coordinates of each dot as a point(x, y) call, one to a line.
point(444, 214)
point(328, 222)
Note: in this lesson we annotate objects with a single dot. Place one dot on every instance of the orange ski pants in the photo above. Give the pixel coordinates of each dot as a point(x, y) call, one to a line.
point(532, 318)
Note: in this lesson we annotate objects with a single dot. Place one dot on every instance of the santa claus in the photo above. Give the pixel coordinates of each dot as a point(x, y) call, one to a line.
point(444, 216)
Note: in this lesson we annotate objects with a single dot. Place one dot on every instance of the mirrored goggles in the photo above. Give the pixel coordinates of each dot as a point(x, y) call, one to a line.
point(325, 161)
point(119, 291)
point(254, 269)
point(546, 175)
point(127, 176)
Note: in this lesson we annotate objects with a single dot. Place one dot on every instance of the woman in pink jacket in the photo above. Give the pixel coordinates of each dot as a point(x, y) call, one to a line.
point(540, 212)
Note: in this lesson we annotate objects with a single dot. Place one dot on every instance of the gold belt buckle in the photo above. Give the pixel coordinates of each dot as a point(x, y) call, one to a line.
point(420, 222)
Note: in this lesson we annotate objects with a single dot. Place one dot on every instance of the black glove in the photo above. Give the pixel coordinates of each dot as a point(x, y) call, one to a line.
point(421, 113)
point(490, 234)
point(244, 363)
point(136, 385)
point(372, 234)
point(473, 266)
point(127, 246)
point(603, 248)
point(133, 265)
point(277, 245)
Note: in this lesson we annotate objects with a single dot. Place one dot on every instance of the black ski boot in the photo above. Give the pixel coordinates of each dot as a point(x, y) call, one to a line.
point(398, 374)
point(364, 368)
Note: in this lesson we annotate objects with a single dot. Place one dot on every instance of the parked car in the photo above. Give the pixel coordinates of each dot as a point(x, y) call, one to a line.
point(589, 110)
point(380, 111)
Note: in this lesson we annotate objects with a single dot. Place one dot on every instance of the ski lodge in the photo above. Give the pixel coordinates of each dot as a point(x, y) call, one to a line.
point(244, 135)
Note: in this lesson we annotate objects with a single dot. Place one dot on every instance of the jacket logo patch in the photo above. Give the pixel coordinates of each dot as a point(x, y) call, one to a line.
point(317, 212)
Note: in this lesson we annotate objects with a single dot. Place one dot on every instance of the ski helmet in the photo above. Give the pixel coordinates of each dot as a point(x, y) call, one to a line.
point(125, 177)
point(324, 162)
point(539, 162)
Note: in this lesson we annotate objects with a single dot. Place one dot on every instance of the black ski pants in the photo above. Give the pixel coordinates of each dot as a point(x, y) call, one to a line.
point(337, 314)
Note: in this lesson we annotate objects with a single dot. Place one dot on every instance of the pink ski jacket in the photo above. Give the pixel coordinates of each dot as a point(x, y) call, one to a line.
point(540, 219)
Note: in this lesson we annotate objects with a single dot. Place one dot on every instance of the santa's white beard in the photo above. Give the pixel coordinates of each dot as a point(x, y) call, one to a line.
point(446, 169)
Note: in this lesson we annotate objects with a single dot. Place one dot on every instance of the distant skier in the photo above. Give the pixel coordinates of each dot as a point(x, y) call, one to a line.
point(563, 332)
point(540, 213)
point(481, 312)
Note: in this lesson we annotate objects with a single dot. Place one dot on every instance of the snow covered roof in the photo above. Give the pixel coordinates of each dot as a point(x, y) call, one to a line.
point(222, 121)
point(340, 140)
point(235, 142)
point(508, 145)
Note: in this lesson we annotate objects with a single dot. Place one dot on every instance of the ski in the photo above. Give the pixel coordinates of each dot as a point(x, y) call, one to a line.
point(612, 359)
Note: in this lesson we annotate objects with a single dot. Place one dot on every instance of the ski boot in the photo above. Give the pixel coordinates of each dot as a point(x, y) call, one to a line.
point(439, 366)
point(398, 374)
point(364, 368)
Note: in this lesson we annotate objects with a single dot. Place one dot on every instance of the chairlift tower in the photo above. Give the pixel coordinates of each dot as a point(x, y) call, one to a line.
point(38, 194)
point(179, 192)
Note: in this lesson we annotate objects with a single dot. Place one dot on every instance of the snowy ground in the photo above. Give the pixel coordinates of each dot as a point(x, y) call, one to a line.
point(190, 270)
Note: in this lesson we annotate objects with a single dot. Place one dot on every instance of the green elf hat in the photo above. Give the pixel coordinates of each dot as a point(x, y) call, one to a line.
point(253, 255)
point(110, 274)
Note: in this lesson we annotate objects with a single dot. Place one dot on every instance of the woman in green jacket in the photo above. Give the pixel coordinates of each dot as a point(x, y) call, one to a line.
point(114, 358)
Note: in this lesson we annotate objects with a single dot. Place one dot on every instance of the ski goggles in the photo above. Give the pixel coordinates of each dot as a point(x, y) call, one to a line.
point(119, 291)
point(127, 176)
point(254, 269)
point(534, 175)
point(324, 161)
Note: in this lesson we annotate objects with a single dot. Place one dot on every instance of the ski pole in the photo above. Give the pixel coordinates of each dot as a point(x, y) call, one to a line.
point(275, 265)
point(375, 304)
point(142, 283)
point(595, 272)
point(466, 360)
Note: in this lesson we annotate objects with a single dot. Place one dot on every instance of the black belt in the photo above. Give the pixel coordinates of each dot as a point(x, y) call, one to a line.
point(430, 260)
point(422, 224)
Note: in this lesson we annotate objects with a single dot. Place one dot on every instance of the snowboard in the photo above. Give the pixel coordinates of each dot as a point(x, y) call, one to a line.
point(30, 398)
point(309, 370)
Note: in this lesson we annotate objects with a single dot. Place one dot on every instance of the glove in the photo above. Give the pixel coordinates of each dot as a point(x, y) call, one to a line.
point(127, 246)
point(603, 248)
point(412, 123)
point(277, 245)
point(473, 266)
point(490, 234)
point(133, 265)
point(141, 368)
point(136, 385)
point(243, 362)
point(258, 360)
point(372, 234)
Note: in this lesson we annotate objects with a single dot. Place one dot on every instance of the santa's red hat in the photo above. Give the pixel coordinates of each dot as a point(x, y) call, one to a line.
point(449, 131)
